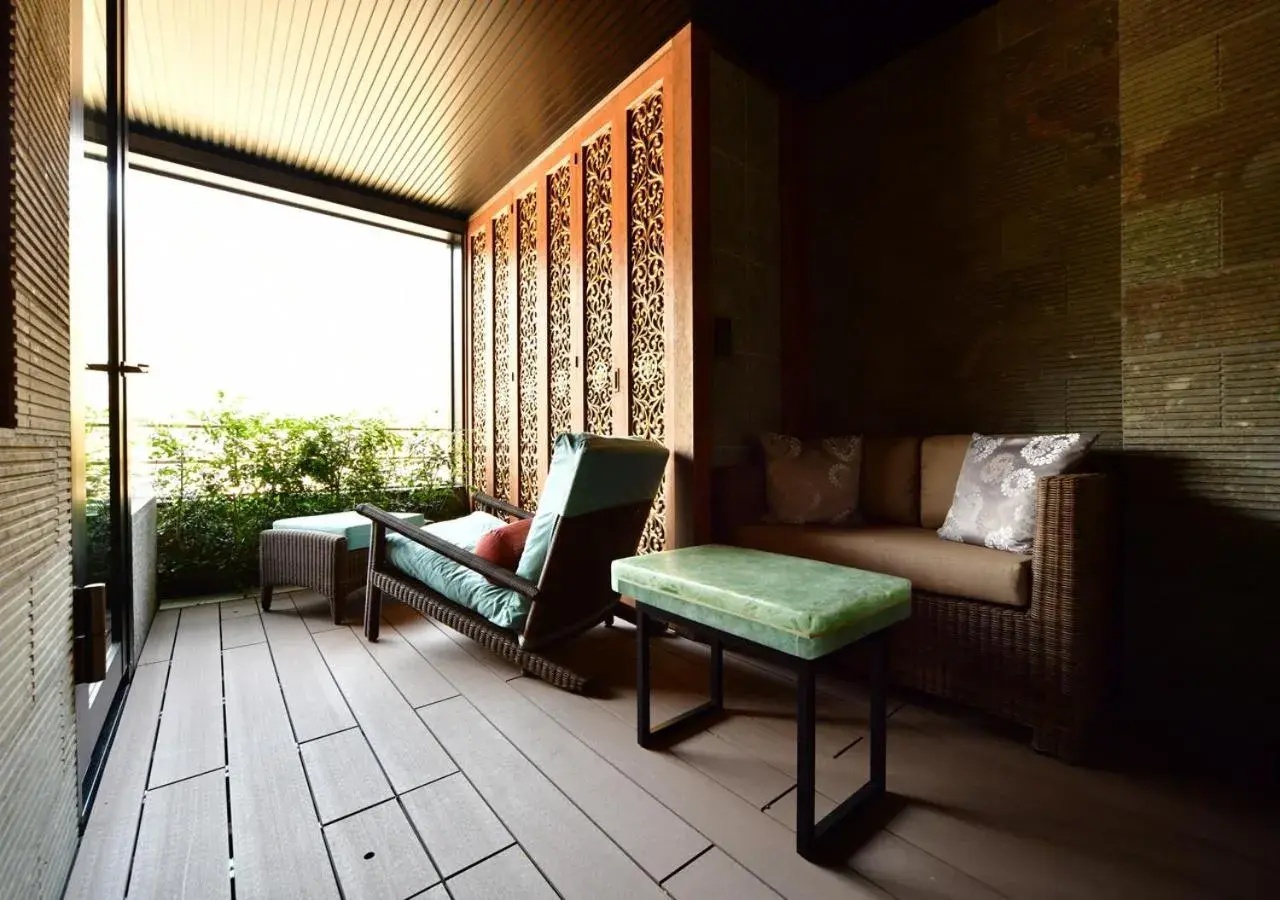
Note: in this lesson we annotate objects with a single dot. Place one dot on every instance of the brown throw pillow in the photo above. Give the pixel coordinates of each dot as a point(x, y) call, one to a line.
point(503, 546)
point(995, 500)
point(812, 481)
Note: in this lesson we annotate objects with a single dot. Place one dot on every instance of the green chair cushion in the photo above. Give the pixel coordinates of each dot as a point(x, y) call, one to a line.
point(801, 607)
point(351, 525)
point(466, 587)
point(590, 473)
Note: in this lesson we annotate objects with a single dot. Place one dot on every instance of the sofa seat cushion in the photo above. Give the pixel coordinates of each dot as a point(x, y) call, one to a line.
point(917, 554)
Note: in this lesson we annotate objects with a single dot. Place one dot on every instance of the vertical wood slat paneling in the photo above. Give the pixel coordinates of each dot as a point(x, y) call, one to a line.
point(37, 718)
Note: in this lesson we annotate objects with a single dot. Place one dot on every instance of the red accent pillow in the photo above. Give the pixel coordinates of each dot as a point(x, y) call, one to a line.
point(503, 546)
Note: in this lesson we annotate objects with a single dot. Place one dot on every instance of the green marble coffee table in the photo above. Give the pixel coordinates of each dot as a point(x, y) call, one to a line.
point(794, 611)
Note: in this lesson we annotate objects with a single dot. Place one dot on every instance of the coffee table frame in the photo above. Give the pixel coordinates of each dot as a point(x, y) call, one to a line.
point(811, 837)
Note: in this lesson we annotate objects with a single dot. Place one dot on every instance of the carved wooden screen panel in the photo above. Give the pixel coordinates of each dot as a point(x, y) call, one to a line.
point(479, 358)
point(502, 356)
point(559, 304)
point(646, 289)
point(597, 214)
point(527, 395)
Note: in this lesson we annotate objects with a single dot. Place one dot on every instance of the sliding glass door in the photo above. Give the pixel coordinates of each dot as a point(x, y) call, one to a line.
point(109, 530)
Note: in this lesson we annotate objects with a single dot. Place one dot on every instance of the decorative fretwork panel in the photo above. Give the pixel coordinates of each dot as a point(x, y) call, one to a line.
point(597, 173)
point(502, 356)
point(479, 356)
point(646, 274)
point(527, 345)
point(559, 344)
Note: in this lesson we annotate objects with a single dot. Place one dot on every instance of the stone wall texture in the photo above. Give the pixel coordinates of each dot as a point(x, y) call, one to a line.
point(1066, 215)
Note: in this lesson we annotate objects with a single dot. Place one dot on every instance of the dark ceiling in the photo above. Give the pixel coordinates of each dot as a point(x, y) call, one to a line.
point(438, 103)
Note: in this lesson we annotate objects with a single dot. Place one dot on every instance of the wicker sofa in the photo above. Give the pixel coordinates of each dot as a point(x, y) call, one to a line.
point(1024, 637)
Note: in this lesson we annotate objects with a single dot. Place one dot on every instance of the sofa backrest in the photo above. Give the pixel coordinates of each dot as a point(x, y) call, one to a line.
point(889, 490)
point(941, 458)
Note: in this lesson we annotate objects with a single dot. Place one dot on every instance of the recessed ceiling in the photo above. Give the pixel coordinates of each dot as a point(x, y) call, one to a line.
point(435, 102)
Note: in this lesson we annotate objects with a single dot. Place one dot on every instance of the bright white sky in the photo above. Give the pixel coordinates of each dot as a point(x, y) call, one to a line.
point(286, 309)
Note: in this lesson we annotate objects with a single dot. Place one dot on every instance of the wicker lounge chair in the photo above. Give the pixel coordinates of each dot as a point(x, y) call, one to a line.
point(592, 511)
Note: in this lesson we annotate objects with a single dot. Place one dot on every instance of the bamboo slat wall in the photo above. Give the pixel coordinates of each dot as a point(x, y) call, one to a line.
point(573, 308)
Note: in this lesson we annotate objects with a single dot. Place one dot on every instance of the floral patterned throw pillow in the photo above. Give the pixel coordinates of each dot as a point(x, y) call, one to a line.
point(995, 500)
point(812, 481)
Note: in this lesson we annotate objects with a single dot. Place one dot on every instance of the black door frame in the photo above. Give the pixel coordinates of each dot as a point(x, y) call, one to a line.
point(120, 550)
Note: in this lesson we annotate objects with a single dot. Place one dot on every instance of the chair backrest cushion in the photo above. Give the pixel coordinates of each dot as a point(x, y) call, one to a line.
point(589, 473)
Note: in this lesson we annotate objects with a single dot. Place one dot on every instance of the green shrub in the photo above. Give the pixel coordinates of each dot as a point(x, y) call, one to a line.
point(221, 481)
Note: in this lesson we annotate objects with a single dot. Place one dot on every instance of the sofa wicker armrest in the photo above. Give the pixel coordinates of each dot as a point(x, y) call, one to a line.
point(500, 506)
point(494, 573)
point(1071, 610)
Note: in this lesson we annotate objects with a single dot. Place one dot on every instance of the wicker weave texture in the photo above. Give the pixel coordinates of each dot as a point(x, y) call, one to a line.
point(500, 641)
point(311, 559)
point(1044, 666)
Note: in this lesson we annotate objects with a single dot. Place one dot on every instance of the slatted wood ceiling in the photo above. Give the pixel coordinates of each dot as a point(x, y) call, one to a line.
point(438, 102)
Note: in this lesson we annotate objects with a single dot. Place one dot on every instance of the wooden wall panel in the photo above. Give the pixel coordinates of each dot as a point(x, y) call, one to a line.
point(598, 282)
point(590, 309)
point(560, 355)
point(40, 803)
point(504, 361)
point(529, 393)
point(647, 289)
point(480, 346)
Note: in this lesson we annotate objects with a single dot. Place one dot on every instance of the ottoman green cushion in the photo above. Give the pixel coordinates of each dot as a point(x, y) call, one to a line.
point(801, 607)
point(351, 525)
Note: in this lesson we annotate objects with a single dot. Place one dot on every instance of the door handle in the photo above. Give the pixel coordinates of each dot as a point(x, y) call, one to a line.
point(124, 368)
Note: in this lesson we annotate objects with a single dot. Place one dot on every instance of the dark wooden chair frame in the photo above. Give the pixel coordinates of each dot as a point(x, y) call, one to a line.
point(572, 596)
point(812, 838)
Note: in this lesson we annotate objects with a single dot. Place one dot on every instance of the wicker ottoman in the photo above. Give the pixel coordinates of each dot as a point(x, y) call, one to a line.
point(328, 554)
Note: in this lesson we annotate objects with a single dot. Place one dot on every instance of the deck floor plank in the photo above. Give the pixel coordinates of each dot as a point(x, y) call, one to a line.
point(279, 847)
point(159, 646)
point(714, 876)
point(241, 631)
point(345, 777)
point(377, 855)
point(403, 745)
point(190, 740)
point(316, 706)
point(579, 858)
point(508, 876)
point(417, 679)
point(651, 834)
point(454, 822)
point(101, 869)
point(182, 850)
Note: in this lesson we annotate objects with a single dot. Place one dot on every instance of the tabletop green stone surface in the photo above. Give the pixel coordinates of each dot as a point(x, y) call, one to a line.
point(801, 606)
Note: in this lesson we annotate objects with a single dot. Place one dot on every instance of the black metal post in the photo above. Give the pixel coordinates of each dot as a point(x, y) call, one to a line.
point(806, 750)
point(879, 703)
point(643, 736)
point(717, 673)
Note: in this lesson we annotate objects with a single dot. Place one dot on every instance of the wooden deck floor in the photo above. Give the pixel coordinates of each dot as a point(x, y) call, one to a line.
point(278, 756)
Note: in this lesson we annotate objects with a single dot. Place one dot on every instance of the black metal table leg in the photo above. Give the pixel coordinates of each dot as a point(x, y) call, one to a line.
point(806, 755)
point(647, 735)
point(643, 735)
